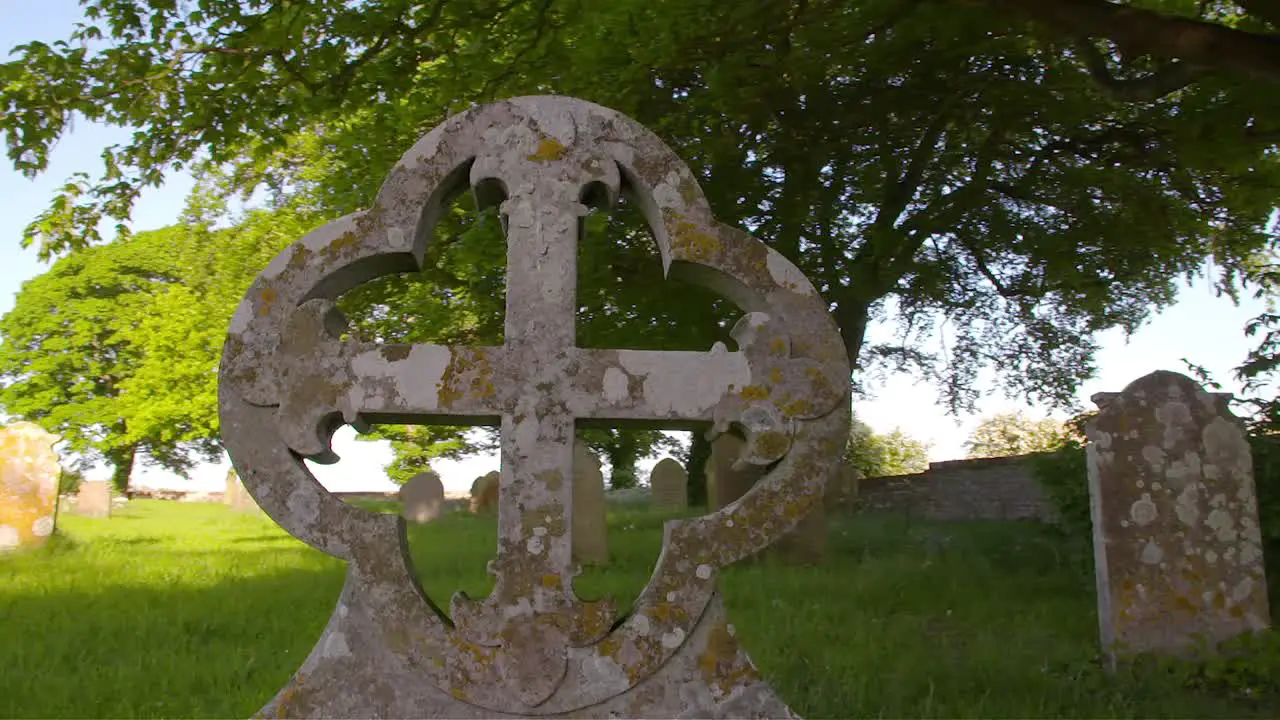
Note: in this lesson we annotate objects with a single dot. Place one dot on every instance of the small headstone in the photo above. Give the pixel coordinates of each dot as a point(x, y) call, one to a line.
point(1177, 547)
point(29, 473)
point(422, 498)
point(590, 533)
point(235, 496)
point(484, 493)
point(94, 499)
point(669, 486)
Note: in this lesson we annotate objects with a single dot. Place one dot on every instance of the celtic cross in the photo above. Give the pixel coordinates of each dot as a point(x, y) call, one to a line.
point(531, 647)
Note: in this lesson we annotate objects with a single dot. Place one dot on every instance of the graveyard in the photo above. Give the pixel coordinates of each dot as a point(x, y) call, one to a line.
point(196, 610)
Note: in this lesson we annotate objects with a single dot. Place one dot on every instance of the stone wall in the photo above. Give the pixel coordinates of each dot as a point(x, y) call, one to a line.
point(982, 489)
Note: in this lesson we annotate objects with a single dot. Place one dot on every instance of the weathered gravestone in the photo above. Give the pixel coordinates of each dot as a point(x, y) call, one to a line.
point(1177, 547)
point(93, 499)
point(730, 479)
point(288, 380)
point(234, 494)
point(422, 498)
point(669, 486)
point(484, 493)
point(29, 473)
point(590, 535)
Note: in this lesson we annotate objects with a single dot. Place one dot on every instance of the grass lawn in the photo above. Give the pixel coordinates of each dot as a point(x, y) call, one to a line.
point(193, 610)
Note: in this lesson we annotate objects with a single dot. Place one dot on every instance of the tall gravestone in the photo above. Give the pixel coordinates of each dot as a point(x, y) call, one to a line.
point(93, 499)
point(422, 498)
point(590, 535)
point(29, 473)
point(1177, 547)
point(669, 486)
point(288, 379)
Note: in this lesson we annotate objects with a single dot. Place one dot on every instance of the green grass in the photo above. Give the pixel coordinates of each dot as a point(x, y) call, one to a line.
point(182, 610)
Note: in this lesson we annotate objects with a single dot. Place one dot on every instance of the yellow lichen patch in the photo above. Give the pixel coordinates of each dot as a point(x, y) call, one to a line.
point(550, 580)
point(551, 478)
point(688, 190)
point(264, 310)
point(339, 245)
point(778, 346)
point(268, 295)
point(797, 407)
point(772, 444)
point(753, 392)
point(689, 242)
point(549, 149)
point(775, 374)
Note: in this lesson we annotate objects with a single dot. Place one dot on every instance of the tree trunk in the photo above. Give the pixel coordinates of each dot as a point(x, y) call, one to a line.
point(122, 467)
point(622, 453)
point(699, 453)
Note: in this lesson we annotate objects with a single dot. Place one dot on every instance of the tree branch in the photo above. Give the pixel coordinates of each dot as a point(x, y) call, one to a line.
point(1170, 78)
point(1140, 31)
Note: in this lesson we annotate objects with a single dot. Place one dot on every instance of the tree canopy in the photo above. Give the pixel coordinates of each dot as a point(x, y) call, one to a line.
point(875, 454)
point(1014, 177)
point(1015, 433)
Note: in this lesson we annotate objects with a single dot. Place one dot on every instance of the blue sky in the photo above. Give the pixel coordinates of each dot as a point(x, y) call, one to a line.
point(1205, 329)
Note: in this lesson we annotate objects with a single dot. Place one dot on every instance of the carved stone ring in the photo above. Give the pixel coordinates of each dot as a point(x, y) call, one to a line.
point(532, 647)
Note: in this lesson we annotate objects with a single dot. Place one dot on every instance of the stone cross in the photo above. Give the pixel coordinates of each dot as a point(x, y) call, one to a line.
point(422, 498)
point(287, 382)
point(669, 485)
point(1177, 546)
point(29, 474)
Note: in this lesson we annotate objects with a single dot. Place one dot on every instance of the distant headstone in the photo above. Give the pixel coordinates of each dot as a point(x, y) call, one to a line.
point(422, 498)
point(484, 493)
point(94, 499)
point(590, 533)
point(532, 646)
point(1177, 547)
point(235, 496)
point(669, 486)
point(29, 473)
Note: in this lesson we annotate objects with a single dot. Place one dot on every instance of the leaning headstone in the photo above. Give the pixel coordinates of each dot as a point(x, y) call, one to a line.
point(29, 473)
point(484, 493)
point(1177, 547)
point(730, 483)
point(590, 531)
point(94, 499)
point(804, 545)
point(669, 486)
point(531, 646)
point(234, 495)
point(422, 498)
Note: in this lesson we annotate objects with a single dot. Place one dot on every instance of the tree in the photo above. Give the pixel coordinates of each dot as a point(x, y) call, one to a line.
point(70, 347)
point(875, 455)
point(924, 164)
point(1014, 433)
